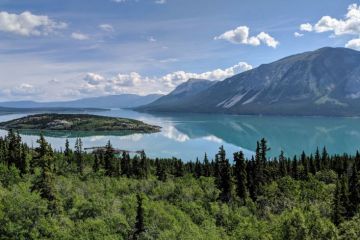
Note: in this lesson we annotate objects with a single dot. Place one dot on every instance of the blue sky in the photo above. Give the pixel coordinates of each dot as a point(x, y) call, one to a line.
point(62, 49)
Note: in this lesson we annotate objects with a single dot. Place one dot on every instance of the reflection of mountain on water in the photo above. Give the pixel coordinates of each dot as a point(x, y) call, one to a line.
point(292, 134)
point(75, 134)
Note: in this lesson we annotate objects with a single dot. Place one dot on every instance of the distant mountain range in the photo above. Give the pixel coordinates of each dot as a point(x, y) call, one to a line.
point(321, 82)
point(112, 101)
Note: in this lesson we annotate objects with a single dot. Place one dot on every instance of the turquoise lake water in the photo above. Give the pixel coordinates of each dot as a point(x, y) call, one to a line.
point(188, 136)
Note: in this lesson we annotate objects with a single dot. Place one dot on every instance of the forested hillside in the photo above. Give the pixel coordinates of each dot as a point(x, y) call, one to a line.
point(47, 194)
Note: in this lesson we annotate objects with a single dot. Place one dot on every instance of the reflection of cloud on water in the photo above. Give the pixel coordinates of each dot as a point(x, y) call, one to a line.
point(96, 138)
point(172, 133)
point(329, 130)
point(212, 138)
point(134, 137)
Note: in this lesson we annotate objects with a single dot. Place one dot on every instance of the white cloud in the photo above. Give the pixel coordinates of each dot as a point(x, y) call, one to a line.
point(25, 90)
point(106, 27)
point(307, 27)
point(354, 44)
point(160, 1)
point(28, 24)
point(135, 83)
point(94, 79)
point(79, 36)
point(240, 35)
point(350, 25)
point(151, 39)
point(297, 34)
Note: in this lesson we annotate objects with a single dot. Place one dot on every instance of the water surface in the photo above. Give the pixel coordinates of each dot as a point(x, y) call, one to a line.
point(188, 136)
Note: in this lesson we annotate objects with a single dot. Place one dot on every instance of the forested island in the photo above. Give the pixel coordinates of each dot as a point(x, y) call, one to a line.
point(78, 122)
point(73, 194)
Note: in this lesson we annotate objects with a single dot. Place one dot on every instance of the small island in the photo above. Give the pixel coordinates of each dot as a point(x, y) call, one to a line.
point(54, 122)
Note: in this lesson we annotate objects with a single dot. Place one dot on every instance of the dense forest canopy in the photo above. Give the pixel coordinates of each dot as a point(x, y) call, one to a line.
point(72, 194)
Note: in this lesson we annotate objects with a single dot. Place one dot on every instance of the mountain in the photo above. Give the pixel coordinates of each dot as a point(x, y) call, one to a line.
point(112, 101)
point(321, 82)
point(182, 93)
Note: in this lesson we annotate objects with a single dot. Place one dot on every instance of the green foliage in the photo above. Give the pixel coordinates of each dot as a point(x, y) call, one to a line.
point(134, 197)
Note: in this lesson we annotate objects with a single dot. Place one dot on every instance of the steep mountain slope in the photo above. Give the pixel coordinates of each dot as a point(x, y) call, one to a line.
point(113, 101)
point(181, 94)
point(321, 82)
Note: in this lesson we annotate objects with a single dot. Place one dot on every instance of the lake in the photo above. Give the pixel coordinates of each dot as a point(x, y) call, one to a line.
point(188, 136)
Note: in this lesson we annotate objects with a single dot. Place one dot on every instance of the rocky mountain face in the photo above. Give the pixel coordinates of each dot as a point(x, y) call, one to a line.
point(321, 82)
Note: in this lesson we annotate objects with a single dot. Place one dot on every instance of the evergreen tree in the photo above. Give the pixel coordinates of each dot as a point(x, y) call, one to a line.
point(144, 166)
point(79, 156)
point(126, 165)
point(224, 182)
point(324, 158)
point(139, 221)
point(354, 189)
point(45, 182)
point(240, 175)
point(96, 165)
point(160, 171)
point(109, 160)
point(304, 163)
point(312, 165)
point(282, 165)
point(318, 163)
point(207, 166)
point(294, 169)
point(338, 209)
point(67, 152)
point(179, 168)
point(198, 170)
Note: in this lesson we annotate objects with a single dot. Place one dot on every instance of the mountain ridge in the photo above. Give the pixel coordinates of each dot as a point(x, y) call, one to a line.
point(321, 82)
point(110, 101)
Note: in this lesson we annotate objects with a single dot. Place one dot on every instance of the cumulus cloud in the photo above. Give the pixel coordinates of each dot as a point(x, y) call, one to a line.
point(136, 83)
point(79, 36)
point(25, 90)
point(349, 25)
point(28, 24)
point(94, 79)
point(354, 44)
point(297, 34)
point(106, 27)
point(307, 27)
point(241, 35)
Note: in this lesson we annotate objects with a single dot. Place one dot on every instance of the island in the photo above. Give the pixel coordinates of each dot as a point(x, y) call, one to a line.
point(87, 124)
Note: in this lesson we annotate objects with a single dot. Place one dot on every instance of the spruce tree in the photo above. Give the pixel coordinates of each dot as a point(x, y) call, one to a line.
point(96, 165)
point(318, 163)
point(282, 165)
point(338, 209)
point(240, 175)
point(312, 165)
point(67, 152)
point(139, 227)
point(109, 160)
point(354, 190)
point(45, 182)
point(224, 182)
point(160, 171)
point(294, 169)
point(79, 156)
point(144, 166)
point(207, 166)
point(198, 170)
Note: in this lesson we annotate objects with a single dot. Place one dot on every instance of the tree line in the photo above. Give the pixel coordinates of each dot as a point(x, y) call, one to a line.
point(237, 178)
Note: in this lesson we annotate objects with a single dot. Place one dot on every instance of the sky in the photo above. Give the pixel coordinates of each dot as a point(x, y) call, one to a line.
point(67, 49)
